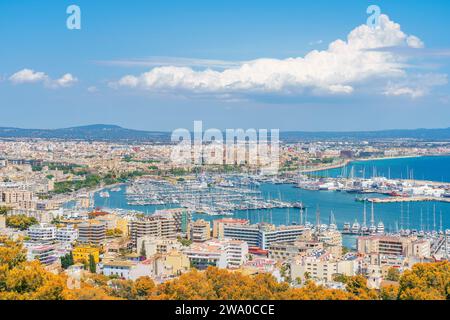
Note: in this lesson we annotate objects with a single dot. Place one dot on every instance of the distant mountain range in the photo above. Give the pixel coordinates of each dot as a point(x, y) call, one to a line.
point(103, 132)
point(91, 132)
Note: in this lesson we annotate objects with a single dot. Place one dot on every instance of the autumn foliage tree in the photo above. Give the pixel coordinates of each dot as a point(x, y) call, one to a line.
point(426, 281)
point(23, 280)
point(219, 284)
point(20, 222)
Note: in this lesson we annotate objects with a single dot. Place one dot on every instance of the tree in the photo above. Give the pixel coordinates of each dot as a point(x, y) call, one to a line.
point(117, 233)
point(24, 280)
point(144, 288)
point(67, 260)
point(92, 264)
point(184, 242)
point(357, 286)
point(389, 292)
point(21, 222)
point(393, 274)
point(121, 289)
point(426, 281)
point(143, 253)
point(338, 277)
point(4, 210)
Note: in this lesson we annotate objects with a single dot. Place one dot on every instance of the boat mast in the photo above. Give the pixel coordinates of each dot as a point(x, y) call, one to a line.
point(434, 217)
point(421, 219)
point(401, 216)
point(318, 219)
point(372, 217)
point(365, 215)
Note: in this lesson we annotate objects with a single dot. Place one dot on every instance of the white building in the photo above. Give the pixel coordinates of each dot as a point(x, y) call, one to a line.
point(218, 253)
point(263, 235)
point(154, 245)
point(46, 254)
point(322, 266)
point(42, 233)
point(120, 269)
point(67, 234)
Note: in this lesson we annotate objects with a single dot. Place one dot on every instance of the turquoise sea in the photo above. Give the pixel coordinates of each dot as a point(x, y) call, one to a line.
point(432, 168)
point(343, 205)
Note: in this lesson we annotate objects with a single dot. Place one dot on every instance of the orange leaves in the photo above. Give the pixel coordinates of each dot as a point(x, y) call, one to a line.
point(426, 281)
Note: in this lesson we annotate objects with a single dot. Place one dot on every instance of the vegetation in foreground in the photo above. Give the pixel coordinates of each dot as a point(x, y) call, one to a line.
point(23, 280)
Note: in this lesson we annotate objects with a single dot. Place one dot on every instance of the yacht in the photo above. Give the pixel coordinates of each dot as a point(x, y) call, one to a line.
point(380, 228)
point(347, 227)
point(356, 227)
point(364, 229)
point(104, 194)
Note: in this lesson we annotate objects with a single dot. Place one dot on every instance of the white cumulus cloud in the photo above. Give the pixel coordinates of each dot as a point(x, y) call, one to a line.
point(344, 67)
point(27, 76)
point(31, 76)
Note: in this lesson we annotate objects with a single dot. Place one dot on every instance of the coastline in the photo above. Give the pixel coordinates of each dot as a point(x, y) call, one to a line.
point(349, 161)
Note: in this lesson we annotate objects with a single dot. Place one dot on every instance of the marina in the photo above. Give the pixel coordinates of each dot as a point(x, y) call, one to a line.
point(282, 202)
point(204, 195)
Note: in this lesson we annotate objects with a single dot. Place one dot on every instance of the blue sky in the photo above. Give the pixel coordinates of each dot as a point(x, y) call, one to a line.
point(116, 68)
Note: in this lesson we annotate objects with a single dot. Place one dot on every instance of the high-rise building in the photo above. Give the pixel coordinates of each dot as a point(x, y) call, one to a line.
point(157, 226)
point(219, 223)
point(46, 254)
point(92, 232)
point(218, 253)
point(263, 235)
point(199, 231)
point(394, 246)
point(43, 233)
point(181, 216)
point(67, 234)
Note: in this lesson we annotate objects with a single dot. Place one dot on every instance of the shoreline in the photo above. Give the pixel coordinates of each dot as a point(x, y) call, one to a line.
point(347, 162)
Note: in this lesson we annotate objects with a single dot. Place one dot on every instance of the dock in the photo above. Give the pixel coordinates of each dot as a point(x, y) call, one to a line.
point(408, 199)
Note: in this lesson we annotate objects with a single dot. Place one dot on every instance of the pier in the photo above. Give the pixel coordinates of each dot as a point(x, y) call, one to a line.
point(408, 199)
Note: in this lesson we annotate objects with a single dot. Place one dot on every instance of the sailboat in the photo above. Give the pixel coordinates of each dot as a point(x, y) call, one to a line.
point(364, 229)
point(356, 227)
point(380, 228)
point(332, 226)
point(372, 228)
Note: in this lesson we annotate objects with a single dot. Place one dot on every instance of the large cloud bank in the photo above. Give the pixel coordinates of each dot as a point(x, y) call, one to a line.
point(342, 69)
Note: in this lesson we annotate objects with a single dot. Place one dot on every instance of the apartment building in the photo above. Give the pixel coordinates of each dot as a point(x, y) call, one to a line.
point(13, 196)
point(92, 232)
point(154, 245)
point(42, 233)
point(157, 226)
point(263, 235)
point(322, 266)
point(181, 216)
point(285, 251)
point(218, 253)
point(394, 246)
point(45, 254)
point(82, 254)
point(199, 231)
point(219, 223)
point(67, 234)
